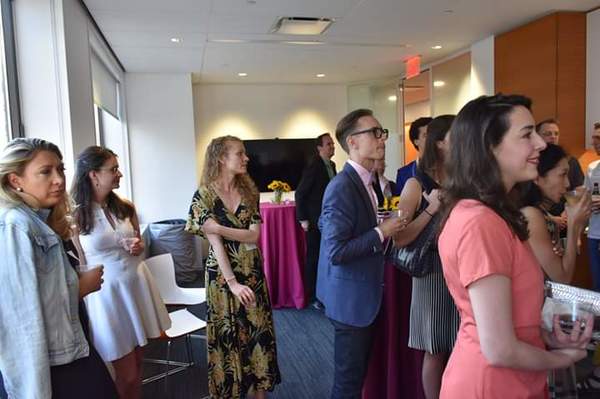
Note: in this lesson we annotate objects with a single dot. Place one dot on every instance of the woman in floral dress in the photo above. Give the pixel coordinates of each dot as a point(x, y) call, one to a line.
point(242, 356)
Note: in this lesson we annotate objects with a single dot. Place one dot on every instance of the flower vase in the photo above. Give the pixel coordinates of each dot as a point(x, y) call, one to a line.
point(277, 197)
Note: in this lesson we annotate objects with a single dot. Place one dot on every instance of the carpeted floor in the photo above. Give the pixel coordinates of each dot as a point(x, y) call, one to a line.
point(305, 355)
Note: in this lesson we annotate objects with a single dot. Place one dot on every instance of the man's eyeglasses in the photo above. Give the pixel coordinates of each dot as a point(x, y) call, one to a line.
point(377, 132)
point(114, 170)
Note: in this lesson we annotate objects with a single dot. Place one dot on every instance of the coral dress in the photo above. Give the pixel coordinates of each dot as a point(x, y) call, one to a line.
point(476, 243)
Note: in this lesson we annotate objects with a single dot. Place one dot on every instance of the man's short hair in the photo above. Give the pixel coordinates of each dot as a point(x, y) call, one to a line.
point(413, 132)
point(319, 139)
point(596, 125)
point(542, 123)
point(347, 125)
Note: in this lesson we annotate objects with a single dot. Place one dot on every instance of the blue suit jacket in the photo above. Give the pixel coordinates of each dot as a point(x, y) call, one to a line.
point(350, 273)
point(405, 173)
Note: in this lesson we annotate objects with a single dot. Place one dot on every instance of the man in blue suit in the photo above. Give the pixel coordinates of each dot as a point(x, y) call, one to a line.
point(417, 135)
point(350, 273)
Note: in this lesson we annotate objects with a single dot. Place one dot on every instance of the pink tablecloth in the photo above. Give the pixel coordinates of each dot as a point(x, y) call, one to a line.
point(283, 248)
point(394, 369)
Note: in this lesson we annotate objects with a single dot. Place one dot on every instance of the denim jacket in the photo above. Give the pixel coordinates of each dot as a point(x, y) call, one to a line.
point(39, 321)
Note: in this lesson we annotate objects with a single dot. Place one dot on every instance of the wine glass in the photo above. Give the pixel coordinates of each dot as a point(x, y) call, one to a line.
point(126, 236)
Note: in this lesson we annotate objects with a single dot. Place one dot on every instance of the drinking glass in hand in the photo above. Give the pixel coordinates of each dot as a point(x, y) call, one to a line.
point(574, 196)
point(126, 237)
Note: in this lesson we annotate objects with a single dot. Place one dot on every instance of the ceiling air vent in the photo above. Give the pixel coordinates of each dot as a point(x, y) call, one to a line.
point(301, 25)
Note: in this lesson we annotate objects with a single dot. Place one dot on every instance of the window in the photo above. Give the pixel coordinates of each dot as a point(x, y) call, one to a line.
point(9, 102)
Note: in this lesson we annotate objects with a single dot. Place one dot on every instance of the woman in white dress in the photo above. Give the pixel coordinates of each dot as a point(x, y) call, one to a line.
point(128, 309)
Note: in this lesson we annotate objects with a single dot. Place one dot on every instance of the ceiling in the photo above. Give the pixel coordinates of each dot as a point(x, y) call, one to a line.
point(370, 39)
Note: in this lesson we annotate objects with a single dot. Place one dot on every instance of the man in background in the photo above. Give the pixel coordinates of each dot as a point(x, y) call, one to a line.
point(591, 383)
point(417, 135)
point(593, 176)
point(309, 196)
point(550, 132)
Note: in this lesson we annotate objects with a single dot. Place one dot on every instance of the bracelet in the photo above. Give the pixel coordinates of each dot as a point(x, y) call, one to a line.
point(227, 280)
point(430, 215)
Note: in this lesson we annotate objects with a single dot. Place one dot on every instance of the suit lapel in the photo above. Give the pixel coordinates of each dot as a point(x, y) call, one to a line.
point(355, 178)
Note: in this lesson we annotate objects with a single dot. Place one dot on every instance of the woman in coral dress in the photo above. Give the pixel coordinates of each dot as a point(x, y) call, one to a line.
point(491, 271)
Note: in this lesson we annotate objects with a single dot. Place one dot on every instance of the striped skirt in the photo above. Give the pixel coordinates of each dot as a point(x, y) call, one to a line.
point(434, 319)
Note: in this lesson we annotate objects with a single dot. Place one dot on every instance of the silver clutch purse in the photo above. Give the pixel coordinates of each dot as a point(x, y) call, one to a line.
point(584, 299)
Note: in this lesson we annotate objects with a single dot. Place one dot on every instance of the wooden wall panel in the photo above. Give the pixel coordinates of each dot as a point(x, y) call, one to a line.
point(545, 60)
point(525, 63)
point(570, 78)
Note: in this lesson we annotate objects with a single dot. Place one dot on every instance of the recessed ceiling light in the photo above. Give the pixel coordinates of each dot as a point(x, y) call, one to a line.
point(175, 40)
point(242, 74)
point(392, 98)
point(436, 47)
point(320, 75)
point(439, 83)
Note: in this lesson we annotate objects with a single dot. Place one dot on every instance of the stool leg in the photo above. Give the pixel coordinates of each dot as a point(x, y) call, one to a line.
point(167, 366)
point(190, 352)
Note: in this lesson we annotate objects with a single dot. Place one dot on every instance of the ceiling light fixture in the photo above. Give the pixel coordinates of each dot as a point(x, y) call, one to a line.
point(392, 98)
point(301, 25)
point(439, 83)
point(436, 47)
point(320, 75)
point(242, 74)
point(175, 40)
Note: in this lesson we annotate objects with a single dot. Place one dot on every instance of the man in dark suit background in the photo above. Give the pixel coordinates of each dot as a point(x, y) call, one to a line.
point(351, 262)
point(309, 196)
point(417, 134)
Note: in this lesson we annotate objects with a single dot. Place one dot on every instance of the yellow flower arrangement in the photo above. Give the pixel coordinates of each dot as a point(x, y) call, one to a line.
point(391, 203)
point(279, 187)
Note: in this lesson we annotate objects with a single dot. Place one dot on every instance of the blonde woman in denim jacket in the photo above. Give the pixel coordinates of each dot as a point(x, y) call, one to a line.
point(43, 350)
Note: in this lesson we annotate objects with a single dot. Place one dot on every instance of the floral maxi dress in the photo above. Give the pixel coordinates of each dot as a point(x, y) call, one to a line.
point(242, 355)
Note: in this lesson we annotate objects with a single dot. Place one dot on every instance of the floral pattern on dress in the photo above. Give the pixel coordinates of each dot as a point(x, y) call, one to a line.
point(242, 354)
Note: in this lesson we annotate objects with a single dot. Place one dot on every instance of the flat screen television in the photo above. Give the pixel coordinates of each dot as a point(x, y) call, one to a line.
point(278, 159)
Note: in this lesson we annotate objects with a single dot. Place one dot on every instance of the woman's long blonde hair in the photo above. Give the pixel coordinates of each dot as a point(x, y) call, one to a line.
point(216, 150)
point(14, 159)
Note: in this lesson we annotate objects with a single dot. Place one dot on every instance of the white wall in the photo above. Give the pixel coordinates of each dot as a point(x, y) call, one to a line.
point(267, 111)
point(162, 148)
point(53, 40)
point(482, 67)
point(54, 73)
point(592, 109)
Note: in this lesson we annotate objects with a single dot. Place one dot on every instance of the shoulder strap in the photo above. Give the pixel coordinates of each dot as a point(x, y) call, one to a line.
point(80, 253)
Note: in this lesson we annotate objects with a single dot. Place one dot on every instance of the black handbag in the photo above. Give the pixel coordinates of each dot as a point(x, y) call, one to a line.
point(416, 258)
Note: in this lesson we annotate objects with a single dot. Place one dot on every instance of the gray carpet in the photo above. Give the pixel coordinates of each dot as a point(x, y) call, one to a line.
point(305, 355)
